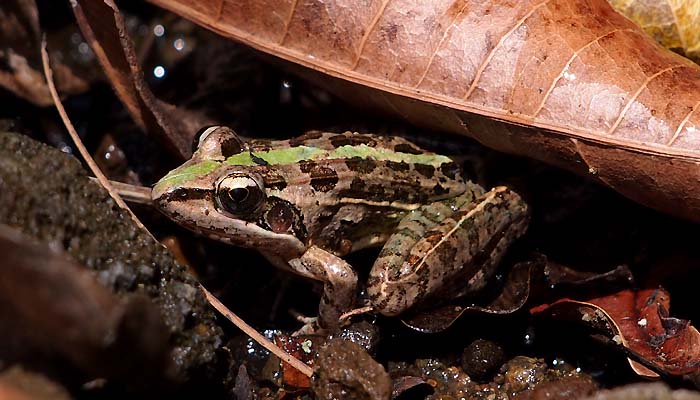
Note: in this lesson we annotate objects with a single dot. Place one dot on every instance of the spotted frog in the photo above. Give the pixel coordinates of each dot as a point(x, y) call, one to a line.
point(306, 202)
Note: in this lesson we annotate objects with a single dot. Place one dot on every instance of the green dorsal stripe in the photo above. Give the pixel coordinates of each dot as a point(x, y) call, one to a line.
point(300, 153)
point(303, 153)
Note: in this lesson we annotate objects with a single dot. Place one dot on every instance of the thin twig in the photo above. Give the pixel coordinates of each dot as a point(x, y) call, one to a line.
point(248, 330)
point(76, 139)
point(355, 311)
point(131, 193)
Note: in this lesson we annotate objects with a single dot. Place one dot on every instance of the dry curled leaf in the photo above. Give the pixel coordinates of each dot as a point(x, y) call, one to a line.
point(639, 321)
point(104, 28)
point(510, 298)
point(569, 82)
point(675, 24)
point(20, 61)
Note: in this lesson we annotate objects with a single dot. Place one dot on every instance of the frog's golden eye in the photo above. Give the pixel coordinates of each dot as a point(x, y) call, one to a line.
point(240, 194)
point(215, 141)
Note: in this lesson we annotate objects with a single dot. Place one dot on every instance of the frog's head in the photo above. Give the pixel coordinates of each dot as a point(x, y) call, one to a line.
point(216, 194)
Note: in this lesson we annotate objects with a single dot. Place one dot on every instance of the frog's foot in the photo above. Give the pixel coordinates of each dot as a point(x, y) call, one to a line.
point(310, 327)
point(304, 319)
point(340, 284)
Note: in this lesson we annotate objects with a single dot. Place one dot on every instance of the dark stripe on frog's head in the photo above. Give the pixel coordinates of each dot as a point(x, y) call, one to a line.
point(184, 194)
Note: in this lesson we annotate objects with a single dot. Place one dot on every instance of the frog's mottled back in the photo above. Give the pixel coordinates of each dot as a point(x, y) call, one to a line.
point(319, 180)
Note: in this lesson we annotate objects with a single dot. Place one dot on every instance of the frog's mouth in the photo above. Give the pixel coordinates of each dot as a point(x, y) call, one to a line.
point(194, 208)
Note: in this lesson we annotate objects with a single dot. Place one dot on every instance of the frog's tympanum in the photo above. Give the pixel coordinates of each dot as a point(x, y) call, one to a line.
point(306, 202)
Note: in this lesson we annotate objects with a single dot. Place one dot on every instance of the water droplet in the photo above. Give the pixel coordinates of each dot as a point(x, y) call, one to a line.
point(179, 44)
point(159, 71)
point(159, 30)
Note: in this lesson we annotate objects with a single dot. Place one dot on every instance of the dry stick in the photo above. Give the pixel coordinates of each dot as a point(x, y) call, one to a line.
point(131, 193)
point(76, 139)
point(248, 330)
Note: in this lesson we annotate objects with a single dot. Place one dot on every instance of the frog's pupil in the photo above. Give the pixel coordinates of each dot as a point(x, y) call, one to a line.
point(239, 194)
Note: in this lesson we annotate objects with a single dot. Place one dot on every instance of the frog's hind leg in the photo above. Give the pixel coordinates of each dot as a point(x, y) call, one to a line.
point(450, 247)
point(339, 289)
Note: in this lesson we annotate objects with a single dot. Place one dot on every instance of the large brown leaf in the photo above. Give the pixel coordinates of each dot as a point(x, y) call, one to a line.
point(570, 82)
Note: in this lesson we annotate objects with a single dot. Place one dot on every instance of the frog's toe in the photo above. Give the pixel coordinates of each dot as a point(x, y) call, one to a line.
point(311, 327)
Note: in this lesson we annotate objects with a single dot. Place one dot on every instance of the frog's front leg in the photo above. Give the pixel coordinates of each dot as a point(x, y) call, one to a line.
point(339, 289)
point(448, 248)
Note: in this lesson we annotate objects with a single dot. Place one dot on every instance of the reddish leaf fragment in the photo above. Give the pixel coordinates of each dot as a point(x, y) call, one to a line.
point(304, 349)
point(639, 321)
point(405, 383)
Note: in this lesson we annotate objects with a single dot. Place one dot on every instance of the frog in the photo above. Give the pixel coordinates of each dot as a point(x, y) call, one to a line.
point(307, 202)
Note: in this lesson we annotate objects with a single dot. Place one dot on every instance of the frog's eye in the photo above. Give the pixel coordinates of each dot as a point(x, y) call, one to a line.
point(239, 194)
point(215, 141)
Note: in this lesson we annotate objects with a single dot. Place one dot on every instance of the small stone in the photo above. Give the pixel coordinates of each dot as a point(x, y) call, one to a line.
point(347, 372)
point(482, 358)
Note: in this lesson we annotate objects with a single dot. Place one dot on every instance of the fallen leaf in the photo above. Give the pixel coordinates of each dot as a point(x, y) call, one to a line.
point(302, 348)
point(403, 384)
point(510, 298)
point(639, 321)
point(672, 23)
point(569, 82)
point(105, 30)
point(20, 59)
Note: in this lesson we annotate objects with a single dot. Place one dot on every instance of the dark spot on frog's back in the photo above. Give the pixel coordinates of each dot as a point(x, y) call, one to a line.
point(450, 169)
point(274, 181)
point(426, 170)
point(260, 145)
point(407, 148)
point(357, 184)
point(324, 179)
point(307, 166)
point(361, 165)
point(439, 190)
point(350, 139)
point(397, 166)
point(303, 139)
